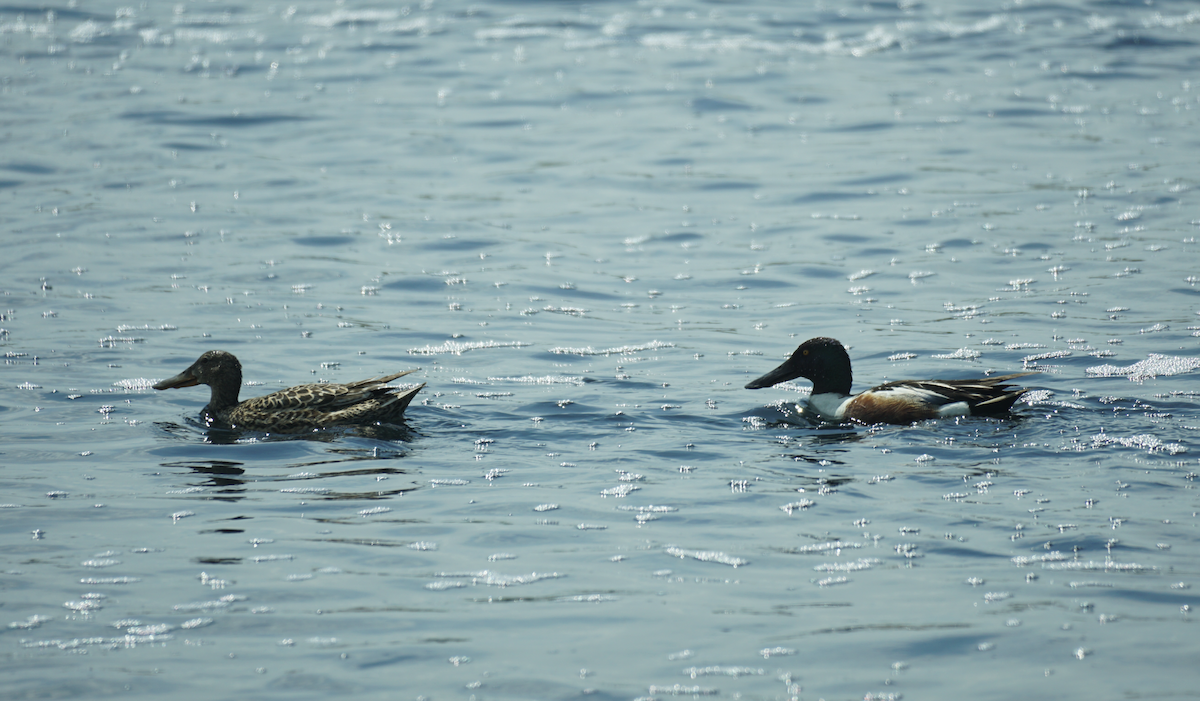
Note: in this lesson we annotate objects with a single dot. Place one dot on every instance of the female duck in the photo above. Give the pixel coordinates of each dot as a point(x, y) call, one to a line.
point(826, 364)
point(296, 409)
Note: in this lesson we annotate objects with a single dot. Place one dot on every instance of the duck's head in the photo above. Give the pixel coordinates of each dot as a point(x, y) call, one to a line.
point(824, 361)
point(214, 368)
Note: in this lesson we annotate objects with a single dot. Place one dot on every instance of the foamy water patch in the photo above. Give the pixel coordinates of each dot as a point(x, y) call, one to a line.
point(1144, 441)
point(960, 354)
point(543, 380)
point(136, 383)
point(706, 556)
point(617, 350)
point(456, 348)
point(1153, 366)
point(495, 579)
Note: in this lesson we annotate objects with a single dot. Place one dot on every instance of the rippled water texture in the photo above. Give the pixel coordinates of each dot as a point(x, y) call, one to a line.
point(589, 226)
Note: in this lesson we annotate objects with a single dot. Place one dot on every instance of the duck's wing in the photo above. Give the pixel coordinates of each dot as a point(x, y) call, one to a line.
point(986, 395)
point(323, 396)
point(386, 408)
point(379, 380)
point(325, 404)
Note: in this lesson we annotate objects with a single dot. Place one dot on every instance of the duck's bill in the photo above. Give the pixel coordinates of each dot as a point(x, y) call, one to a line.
point(779, 374)
point(183, 379)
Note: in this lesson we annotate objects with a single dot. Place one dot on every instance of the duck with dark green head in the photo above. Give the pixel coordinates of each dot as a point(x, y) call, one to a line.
point(825, 362)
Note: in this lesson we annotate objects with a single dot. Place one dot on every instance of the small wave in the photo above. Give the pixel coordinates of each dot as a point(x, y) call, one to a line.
point(456, 348)
point(1153, 366)
point(617, 350)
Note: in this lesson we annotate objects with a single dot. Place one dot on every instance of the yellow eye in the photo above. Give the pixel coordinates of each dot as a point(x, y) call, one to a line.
point(806, 352)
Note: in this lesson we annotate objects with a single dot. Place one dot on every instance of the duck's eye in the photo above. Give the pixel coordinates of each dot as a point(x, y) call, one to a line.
point(806, 352)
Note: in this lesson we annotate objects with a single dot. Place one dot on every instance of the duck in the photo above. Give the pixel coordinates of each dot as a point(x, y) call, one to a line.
point(825, 362)
point(296, 409)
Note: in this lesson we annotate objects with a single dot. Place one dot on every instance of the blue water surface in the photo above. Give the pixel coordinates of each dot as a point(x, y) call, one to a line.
point(588, 226)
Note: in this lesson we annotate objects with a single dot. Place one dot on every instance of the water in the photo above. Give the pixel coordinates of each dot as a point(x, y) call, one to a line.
point(589, 226)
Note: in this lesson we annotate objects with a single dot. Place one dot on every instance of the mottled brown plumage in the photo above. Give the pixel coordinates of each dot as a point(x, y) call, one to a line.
point(295, 409)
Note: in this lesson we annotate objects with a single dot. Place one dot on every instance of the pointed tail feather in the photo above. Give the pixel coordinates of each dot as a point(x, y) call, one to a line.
point(402, 400)
point(389, 378)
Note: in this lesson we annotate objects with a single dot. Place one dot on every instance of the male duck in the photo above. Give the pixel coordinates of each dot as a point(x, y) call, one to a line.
point(296, 409)
point(824, 361)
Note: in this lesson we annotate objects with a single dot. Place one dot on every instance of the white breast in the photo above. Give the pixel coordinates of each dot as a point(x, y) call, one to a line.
point(830, 405)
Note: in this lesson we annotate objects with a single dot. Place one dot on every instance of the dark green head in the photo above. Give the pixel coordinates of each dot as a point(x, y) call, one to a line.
point(823, 361)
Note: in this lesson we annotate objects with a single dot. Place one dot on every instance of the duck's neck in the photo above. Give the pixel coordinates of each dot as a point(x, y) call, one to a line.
point(834, 377)
point(225, 393)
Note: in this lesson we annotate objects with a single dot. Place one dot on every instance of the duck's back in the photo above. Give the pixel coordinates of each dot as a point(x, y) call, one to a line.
point(916, 400)
point(305, 407)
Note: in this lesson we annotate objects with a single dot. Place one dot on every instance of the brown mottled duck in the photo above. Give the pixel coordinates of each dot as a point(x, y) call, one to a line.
point(295, 409)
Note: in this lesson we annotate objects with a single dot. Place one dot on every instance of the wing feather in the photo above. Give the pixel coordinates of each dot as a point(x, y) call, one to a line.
point(326, 404)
